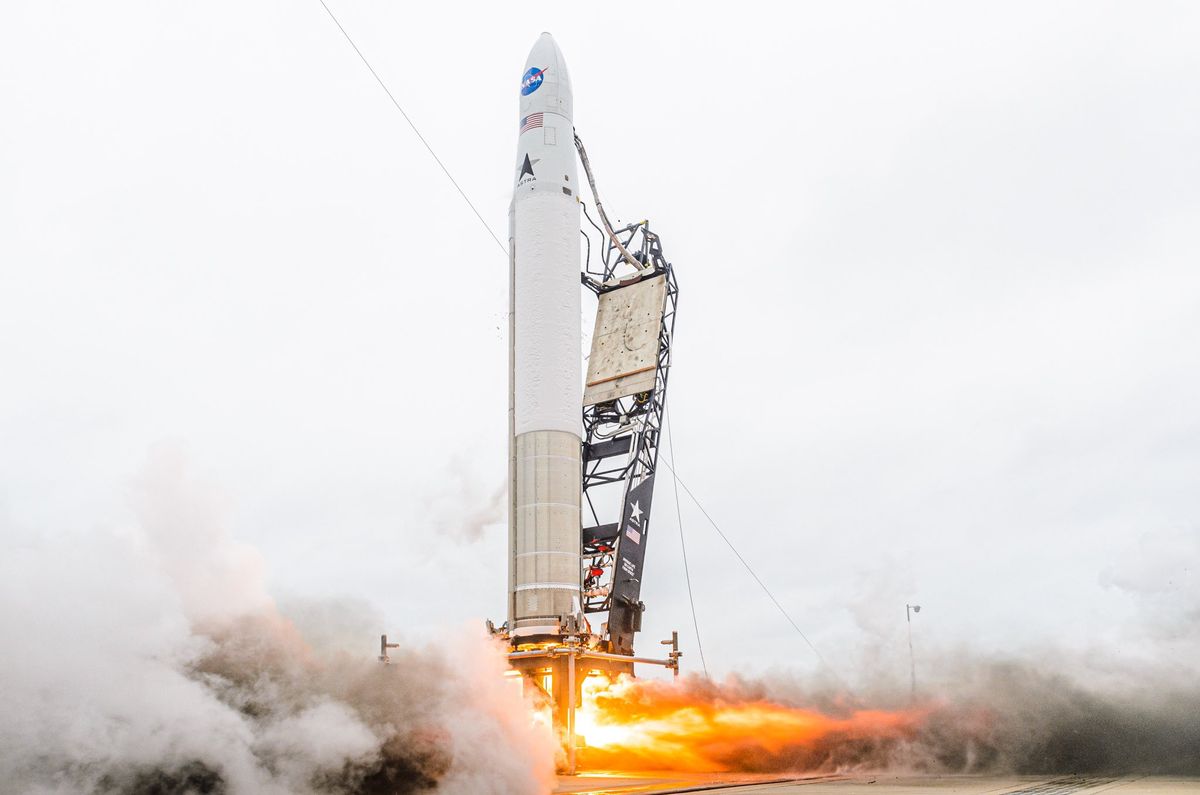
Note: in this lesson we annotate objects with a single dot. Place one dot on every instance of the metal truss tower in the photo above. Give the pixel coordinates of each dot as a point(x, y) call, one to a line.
point(624, 399)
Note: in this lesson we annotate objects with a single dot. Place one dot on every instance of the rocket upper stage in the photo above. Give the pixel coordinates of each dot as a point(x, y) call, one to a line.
point(546, 148)
point(545, 229)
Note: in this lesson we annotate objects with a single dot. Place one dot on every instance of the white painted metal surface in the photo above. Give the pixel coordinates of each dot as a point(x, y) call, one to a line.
point(545, 226)
point(545, 370)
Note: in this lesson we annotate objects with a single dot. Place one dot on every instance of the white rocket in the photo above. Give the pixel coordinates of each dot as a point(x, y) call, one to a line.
point(545, 386)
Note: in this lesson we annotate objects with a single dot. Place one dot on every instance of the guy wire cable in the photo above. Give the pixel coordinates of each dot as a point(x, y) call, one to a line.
point(445, 170)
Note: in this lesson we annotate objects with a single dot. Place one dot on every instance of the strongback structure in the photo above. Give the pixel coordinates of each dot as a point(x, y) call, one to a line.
point(623, 400)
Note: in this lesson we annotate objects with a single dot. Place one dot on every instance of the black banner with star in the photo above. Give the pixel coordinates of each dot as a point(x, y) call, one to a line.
point(625, 615)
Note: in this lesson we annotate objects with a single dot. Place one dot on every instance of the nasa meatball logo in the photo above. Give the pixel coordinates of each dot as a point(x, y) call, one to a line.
point(531, 81)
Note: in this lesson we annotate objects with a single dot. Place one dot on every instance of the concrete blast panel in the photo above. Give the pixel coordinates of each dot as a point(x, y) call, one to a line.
point(625, 344)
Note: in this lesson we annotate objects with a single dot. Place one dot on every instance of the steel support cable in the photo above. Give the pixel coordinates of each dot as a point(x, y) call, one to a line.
point(589, 219)
point(687, 574)
point(588, 237)
point(757, 579)
point(437, 159)
point(588, 258)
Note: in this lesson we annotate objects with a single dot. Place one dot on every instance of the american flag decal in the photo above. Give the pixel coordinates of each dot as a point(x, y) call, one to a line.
point(530, 122)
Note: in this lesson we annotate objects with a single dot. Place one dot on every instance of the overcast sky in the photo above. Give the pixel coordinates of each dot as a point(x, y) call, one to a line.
point(939, 325)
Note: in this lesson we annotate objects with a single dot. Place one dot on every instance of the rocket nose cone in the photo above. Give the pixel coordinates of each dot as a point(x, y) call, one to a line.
point(545, 64)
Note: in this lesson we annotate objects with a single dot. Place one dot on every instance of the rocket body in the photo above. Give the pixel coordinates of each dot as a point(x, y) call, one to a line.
point(545, 373)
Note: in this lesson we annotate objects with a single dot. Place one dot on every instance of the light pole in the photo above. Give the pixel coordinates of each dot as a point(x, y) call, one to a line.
point(912, 661)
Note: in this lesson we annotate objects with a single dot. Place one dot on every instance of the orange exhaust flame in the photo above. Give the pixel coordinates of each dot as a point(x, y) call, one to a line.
point(641, 725)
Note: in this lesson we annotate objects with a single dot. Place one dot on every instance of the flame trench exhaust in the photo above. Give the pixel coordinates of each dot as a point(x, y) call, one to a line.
point(694, 726)
point(582, 451)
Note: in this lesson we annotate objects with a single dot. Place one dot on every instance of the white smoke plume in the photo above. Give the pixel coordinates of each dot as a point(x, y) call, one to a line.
point(459, 508)
point(153, 660)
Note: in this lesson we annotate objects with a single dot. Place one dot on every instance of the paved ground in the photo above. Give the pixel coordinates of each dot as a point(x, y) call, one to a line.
point(883, 784)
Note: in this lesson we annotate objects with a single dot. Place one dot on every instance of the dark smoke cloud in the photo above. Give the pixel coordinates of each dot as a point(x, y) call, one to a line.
point(1026, 718)
point(152, 660)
